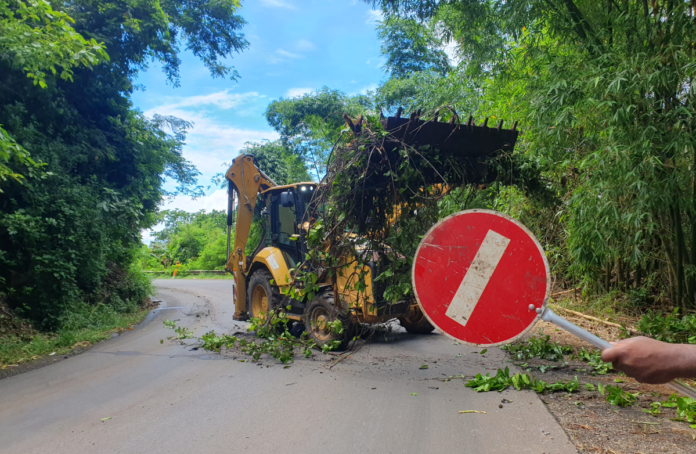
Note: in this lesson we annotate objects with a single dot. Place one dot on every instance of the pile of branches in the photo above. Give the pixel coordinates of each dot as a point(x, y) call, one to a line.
point(384, 180)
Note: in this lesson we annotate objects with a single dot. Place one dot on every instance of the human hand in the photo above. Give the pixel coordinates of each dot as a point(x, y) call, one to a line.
point(651, 361)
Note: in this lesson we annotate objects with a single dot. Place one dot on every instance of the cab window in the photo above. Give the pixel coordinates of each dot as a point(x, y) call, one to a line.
point(286, 225)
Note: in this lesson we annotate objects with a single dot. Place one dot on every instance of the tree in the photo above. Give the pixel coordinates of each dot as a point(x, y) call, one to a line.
point(411, 47)
point(605, 96)
point(309, 125)
point(35, 39)
point(274, 159)
point(62, 236)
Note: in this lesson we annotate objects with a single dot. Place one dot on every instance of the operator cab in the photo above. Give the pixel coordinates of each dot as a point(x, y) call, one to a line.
point(289, 217)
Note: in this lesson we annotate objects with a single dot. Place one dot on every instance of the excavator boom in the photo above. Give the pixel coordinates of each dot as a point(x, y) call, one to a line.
point(246, 180)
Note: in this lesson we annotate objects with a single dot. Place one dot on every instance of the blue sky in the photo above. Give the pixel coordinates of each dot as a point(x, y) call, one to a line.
point(296, 46)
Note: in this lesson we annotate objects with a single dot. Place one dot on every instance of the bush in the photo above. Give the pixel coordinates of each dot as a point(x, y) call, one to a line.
point(669, 328)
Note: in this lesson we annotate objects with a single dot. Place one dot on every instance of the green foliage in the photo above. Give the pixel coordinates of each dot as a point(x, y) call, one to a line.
point(36, 39)
point(604, 96)
point(669, 328)
point(428, 91)
point(617, 396)
point(275, 159)
point(502, 381)
point(214, 342)
point(538, 347)
point(196, 240)
point(182, 333)
point(309, 125)
point(13, 154)
point(594, 360)
point(65, 236)
point(685, 407)
point(277, 341)
point(89, 325)
point(410, 47)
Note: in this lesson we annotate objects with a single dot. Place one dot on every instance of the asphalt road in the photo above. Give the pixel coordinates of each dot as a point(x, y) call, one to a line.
point(168, 398)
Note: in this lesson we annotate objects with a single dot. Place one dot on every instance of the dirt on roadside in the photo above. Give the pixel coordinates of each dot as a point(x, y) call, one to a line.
point(593, 424)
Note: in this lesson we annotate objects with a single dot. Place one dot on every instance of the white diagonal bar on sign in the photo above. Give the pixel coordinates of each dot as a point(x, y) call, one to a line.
point(477, 276)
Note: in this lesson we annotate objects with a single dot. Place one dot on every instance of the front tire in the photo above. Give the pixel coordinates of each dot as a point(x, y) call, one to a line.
point(319, 313)
point(415, 322)
point(262, 295)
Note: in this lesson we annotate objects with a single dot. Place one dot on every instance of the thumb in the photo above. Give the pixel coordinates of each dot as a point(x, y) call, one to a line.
point(609, 355)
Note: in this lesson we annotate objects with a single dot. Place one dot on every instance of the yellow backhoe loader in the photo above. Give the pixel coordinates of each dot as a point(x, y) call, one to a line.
point(259, 276)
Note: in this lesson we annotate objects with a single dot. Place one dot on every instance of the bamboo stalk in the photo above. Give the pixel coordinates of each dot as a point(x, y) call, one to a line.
point(692, 295)
point(679, 233)
point(619, 274)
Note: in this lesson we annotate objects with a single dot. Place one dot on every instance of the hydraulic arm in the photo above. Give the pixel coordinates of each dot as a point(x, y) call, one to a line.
point(246, 180)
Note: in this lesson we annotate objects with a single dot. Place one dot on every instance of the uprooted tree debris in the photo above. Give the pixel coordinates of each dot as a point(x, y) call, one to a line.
point(389, 180)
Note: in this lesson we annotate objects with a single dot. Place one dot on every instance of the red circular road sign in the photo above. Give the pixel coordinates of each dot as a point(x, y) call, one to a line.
point(475, 275)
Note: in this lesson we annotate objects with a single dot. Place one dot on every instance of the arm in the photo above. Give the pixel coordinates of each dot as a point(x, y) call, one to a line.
point(651, 361)
point(246, 180)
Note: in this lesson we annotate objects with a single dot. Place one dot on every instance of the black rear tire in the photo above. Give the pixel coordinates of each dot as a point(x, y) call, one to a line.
point(416, 322)
point(321, 310)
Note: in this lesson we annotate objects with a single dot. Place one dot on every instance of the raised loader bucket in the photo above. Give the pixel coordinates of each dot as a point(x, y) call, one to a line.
point(452, 138)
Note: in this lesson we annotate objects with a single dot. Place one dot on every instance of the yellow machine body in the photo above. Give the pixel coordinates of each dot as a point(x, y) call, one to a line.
point(247, 184)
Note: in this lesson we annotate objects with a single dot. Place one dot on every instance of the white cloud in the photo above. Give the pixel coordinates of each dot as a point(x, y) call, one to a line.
point(210, 142)
point(285, 53)
point(364, 90)
point(222, 99)
point(278, 4)
point(281, 55)
point(377, 62)
point(214, 201)
point(146, 235)
point(451, 51)
point(374, 16)
point(295, 92)
point(371, 87)
point(304, 45)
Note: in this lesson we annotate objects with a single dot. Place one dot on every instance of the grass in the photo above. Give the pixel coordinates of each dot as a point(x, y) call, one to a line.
point(613, 306)
point(14, 350)
point(191, 276)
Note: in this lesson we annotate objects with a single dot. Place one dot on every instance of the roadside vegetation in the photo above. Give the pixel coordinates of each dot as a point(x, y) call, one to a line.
point(82, 171)
point(538, 355)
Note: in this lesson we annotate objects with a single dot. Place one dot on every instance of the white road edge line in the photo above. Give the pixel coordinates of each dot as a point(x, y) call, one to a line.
point(477, 276)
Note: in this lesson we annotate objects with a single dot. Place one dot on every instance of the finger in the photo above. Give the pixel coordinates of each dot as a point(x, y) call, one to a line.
point(609, 355)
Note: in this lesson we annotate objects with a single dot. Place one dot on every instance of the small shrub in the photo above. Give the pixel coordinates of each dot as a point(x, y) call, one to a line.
point(669, 328)
point(502, 380)
point(538, 347)
point(594, 360)
point(617, 396)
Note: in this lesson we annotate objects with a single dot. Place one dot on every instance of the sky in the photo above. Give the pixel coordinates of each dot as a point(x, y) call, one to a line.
point(296, 46)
